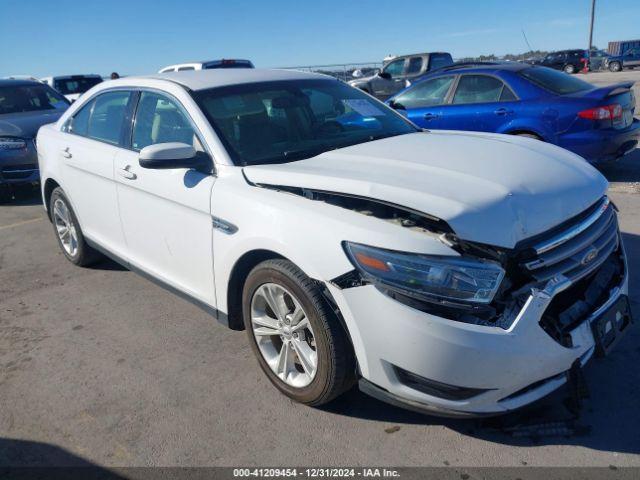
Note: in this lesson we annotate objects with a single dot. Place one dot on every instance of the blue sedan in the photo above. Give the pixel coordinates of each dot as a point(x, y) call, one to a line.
point(514, 98)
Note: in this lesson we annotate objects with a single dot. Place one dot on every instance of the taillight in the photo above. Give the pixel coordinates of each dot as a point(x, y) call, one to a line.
point(608, 112)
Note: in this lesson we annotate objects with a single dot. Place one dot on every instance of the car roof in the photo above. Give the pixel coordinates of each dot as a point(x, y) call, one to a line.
point(205, 79)
point(17, 82)
point(476, 67)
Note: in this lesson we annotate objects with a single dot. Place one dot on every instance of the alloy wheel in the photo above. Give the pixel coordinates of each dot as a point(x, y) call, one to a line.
point(284, 335)
point(65, 227)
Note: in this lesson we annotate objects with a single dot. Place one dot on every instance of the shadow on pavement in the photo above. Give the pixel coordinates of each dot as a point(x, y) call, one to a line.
point(20, 196)
point(627, 169)
point(607, 421)
point(26, 459)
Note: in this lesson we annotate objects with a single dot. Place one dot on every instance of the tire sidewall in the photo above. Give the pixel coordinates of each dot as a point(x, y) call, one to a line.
point(315, 389)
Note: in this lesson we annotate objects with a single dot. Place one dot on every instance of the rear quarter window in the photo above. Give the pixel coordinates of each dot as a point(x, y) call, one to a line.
point(555, 81)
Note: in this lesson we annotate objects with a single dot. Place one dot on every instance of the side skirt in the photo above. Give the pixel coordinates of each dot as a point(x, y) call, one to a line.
point(221, 317)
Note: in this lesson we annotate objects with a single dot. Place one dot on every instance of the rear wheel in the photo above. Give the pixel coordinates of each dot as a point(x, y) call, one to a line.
point(300, 344)
point(68, 231)
point(615, 66)
point(569, 69)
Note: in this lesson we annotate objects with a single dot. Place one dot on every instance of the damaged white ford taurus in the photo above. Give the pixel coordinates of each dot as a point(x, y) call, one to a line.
point(452, 273)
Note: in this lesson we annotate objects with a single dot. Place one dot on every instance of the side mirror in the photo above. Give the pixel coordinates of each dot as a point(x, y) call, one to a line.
point(396, 105)
point(163, 156)
point(385, 75)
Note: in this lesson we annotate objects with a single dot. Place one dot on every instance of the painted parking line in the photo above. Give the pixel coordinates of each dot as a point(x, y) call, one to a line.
point(17, 224)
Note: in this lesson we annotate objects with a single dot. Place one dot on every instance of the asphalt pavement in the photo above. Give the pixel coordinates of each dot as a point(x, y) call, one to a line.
point(100, 366)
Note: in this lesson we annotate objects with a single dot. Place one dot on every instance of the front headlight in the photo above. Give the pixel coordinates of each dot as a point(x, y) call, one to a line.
point(437, 277)
point(12, 143)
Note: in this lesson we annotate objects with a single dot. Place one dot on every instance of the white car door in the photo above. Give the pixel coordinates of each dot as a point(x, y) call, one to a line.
point(165, 214)
point(91, 139)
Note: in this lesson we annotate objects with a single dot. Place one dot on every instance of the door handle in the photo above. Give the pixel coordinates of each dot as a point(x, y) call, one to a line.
point(430, 116)
point(125, 173)
point(66, 153)
point(503, 111)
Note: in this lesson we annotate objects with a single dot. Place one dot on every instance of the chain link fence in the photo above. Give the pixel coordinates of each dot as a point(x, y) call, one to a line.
point(342, 71)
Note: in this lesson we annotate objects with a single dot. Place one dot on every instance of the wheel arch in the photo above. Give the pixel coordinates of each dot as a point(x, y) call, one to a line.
point(49, 186)
point(237, 278)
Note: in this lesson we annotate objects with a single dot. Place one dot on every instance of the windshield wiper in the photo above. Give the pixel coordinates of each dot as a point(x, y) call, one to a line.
point(293, 155)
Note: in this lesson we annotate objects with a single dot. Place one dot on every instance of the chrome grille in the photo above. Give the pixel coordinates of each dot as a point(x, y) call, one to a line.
point(578, 250)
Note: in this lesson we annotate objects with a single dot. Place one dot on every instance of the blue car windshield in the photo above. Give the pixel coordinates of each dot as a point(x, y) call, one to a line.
point(286, 121)
point(555, 81)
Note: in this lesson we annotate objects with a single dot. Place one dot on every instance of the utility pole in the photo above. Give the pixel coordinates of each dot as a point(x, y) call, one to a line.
point(593, 12)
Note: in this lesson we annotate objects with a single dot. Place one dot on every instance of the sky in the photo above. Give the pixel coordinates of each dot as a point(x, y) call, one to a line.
point(44, 37)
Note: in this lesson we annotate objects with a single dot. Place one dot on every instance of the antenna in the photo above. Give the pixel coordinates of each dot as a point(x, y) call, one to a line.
point(527, 41)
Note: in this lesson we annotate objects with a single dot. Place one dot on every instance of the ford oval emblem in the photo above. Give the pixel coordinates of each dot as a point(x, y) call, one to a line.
point(590, 256)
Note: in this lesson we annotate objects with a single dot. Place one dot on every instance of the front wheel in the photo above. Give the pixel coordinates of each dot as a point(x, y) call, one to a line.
point(300, 343)
point(615, 66)
point(570, 69)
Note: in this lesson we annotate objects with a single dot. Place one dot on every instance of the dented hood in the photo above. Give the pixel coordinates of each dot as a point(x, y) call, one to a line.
point(493, 189)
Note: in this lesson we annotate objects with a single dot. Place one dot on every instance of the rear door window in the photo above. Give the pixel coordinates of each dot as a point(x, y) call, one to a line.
point(478, 89)
point(415, 65)
point(102, 118)
point(107, 117)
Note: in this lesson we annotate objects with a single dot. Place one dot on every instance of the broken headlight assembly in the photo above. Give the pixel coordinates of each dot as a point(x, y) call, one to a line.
point(439, 279)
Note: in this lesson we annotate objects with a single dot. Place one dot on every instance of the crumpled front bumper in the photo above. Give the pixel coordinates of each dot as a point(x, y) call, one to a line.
point(514, 367)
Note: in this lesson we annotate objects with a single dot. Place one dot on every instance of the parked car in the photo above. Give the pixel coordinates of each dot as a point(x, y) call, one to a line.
point(598, 60)
point(629, 59)
point(569, 61)
point(394, 75)
point(25, 106)
point(594, 122)
point(453, 273)
point(21, 77)
point(619, 47)
point(72, 86)
point(208, 65)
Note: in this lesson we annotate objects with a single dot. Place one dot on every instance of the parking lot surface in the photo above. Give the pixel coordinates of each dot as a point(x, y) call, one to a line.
point(101, 366)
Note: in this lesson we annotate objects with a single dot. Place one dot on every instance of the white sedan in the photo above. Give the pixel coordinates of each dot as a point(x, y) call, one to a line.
point(453, 273)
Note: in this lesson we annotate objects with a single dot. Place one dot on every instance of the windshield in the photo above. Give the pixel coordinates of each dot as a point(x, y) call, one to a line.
point(285, 121)
point(71, 85)
point(30, 98)
point(555, 80)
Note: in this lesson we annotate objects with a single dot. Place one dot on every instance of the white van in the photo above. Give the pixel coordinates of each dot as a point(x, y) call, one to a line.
point(72, 86)
point(208, 65)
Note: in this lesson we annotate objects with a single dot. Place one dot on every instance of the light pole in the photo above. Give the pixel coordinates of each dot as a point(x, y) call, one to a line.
point(593, 12)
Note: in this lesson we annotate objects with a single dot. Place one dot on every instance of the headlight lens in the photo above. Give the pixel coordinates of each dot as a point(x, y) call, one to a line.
point(438, 277)
point(12, 143)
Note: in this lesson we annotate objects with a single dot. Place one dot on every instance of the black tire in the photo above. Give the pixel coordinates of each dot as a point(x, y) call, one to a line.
point(5, 194)
point(84, 254)
point(615, 67)
point(336, 362)
point(569, 68)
